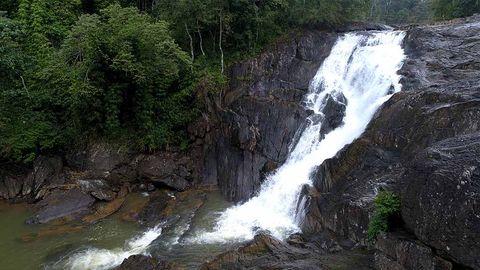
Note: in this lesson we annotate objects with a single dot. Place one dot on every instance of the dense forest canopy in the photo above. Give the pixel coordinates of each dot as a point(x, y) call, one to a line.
point(125, 70)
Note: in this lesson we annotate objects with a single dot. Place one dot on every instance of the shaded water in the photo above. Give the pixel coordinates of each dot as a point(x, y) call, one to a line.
point(32, 246)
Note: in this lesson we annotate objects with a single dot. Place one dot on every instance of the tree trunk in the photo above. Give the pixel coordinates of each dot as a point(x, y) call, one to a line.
point(192, 54)
point(220, 42)
point(200, 39)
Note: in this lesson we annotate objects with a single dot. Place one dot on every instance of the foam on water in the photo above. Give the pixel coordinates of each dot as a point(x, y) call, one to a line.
point(100, 259)
point(363, 68)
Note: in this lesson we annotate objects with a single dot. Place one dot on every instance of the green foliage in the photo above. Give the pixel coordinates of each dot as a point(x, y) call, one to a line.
point(400, 11)
point(328, 12)
point(47, 21)
point(248, 25)
point(449, 9)
point(387, 205)
point(126, 68)
point(118, 74)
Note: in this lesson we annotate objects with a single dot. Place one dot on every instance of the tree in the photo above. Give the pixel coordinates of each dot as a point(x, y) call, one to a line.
point(123, 66)
point(24, 130)
point(449, 9)
point(400, 11)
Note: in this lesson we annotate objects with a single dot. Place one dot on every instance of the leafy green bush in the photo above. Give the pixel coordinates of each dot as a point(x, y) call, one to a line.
point(387, 204)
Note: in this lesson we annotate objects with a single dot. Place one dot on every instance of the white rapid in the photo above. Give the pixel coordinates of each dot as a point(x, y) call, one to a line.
point(363, 68)
point(102, 259)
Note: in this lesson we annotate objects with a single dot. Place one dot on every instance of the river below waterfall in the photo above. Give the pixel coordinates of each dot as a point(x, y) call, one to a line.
point(103, 244)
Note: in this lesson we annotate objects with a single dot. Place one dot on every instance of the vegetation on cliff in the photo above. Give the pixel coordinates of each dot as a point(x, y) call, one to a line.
point(387, 205)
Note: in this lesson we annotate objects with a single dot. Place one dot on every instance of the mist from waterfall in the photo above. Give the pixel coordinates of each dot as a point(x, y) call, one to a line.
point(362, 69)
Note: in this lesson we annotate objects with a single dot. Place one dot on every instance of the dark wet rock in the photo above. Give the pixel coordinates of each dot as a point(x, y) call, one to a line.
point(152, 214)
point(169, 208)
point(400, 251)
point(100, 159)
point(102, 210)
point(26, 186)
point(334, 112)
point(69, 204)
point(167, 169)
point(443, 56)
point(266, 252)
point(441, 198)
point(11, 186)
point(144, 262)
point(99, 189)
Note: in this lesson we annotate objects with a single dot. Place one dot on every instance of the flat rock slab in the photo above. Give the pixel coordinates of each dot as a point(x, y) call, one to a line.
point(62, 204)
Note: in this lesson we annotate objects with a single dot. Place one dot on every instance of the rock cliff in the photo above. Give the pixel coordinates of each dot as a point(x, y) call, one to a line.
point(423, 145)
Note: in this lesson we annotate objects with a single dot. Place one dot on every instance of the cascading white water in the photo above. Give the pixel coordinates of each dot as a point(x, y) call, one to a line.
point(363, 68)
point(102, 259)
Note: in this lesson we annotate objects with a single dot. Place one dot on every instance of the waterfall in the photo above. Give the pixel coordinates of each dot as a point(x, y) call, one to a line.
point(361, 73)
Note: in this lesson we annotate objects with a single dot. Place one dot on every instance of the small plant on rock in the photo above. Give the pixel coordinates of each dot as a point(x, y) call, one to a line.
point(387, 205)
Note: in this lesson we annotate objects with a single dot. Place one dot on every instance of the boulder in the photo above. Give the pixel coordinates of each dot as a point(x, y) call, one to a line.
point(19, 183)
point(68, 204)
point(333, 113)
point(167, 169)
point(145, 262)
point(267, 252)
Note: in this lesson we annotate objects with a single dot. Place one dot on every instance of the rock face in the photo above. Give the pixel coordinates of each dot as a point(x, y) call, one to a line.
point(267, 252)
point(398, 251)
point(423, 145)
point(442, 197)
point(261, 112)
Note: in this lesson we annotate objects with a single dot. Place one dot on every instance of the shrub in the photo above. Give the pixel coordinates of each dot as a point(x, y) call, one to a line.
point(387, 205)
